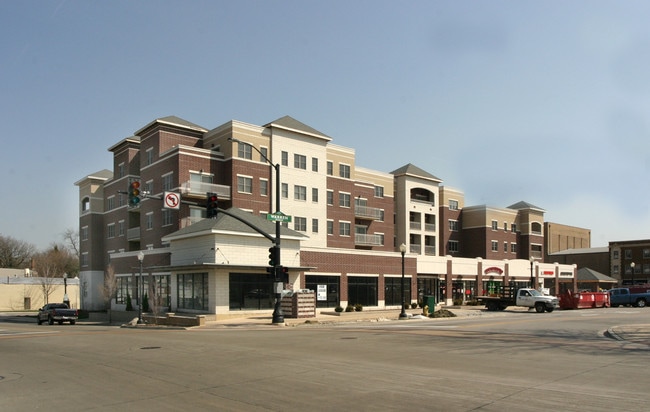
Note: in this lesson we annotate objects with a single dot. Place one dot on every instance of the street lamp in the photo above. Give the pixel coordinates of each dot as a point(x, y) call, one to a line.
point(532, 277)
point(278, 316)
point(403, 315)
point(632, 265)
point(66, 300)
point(141, 286)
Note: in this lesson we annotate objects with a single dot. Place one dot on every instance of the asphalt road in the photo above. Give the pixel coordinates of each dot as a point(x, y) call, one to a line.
point(499, 362)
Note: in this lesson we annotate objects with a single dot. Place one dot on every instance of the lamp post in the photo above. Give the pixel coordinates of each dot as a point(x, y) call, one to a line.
point(632, 265)
point(141, 286)
point(532, 277)
point(66, 300)
point(278, 316)
point(403, 315)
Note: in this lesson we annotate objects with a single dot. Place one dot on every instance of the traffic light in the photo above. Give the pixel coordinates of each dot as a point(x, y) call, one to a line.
point(134, 193)
point(282, 274)
point(211, 205)
point(274, 256)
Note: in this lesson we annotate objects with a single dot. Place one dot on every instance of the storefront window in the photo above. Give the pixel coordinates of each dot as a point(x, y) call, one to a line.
point(362, 290)
point(193, 291)
point(393, 291)
point(250, 291)
point(326, 289)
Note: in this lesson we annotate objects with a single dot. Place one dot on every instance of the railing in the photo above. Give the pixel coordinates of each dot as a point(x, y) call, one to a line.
point(430, 250)
point(430, 227)
point(189, 220)
point(415, 225)
point(367, 212)
point(133, 234)
point(194, 188)
point(363, 239)
point(415, 249)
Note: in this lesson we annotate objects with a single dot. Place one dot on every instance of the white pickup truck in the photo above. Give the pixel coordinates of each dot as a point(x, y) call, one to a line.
point(526, 297)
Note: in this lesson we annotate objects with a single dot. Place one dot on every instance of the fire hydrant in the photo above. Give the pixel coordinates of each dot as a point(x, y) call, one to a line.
point(425, 310)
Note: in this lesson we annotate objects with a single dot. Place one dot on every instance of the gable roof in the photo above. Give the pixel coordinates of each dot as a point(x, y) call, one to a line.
point(173, 121)
point(289, 123)
point(525, 205)
point(590, 275)
point(224, 223)
point(412, 170)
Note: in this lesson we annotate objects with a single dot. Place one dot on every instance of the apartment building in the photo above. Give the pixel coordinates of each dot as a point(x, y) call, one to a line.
point(630, 261)
point(343, 238)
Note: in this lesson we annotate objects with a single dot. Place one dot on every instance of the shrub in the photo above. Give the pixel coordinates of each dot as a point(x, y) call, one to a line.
point(358, 307)
point(129, 305)
point(414, 305)
point(338, 309)
point(349, 308)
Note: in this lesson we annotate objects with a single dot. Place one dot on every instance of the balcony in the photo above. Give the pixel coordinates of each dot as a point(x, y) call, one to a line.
point(133, 234)
point(367, 212)
point(362, 239)
point(194, 188)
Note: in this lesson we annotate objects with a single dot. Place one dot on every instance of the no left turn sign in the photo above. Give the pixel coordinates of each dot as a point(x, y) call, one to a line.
point(172, 200)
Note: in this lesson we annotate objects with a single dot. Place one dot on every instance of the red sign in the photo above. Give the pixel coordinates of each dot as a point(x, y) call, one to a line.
point(493, 269)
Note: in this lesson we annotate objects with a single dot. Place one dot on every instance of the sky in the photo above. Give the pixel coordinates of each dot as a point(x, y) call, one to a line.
point(542, 101)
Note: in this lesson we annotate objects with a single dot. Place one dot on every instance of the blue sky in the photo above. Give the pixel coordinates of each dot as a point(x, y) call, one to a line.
point(542, 101)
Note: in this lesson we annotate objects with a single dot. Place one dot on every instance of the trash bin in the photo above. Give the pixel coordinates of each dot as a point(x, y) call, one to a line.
point(430, 301)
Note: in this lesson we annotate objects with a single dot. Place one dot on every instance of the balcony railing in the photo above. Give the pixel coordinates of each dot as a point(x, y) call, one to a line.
point(430, 250)
point(362, 239)
point(430, 227)
point(133, 234)
point(415, 249)
point(415, 225)
point(189, 220)
point(367, 212)
point(194, 188)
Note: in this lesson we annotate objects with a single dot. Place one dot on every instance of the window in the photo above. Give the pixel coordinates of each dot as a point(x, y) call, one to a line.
point(495, 246)
point(300, 161)
point(453, 204)
point(513, 247)
point(495, 225)
point(200, 178)
point(167, 217)
point(452, 246)
point(615, 254)
point(299, 192)
point(124, 287)
point(344, 199)
point(149, 156)
point(314, 194)
point(121, 170)
point(505, 246)
point(110, 230)
point(628, 254)
point(300, 224)
point(244, 150)
point(168, 182)
point(110, 203)
point(120, 228)
point(505, 226)
point(314, 225)
point(536, 227)
point(393, 290)
point(148, 186)
point(264, 153)
point(646, 253)
point(149, 221)
point(264, 187)
point(85, 204)
point(121, 200)
point(192, 291)
point(84, 233)
point(244, 184)
point(314, 164)
point(379, 191)
point(453, 225)
point(330, 198)
point(285, 158)
point(344, 171)
point(344, 228)
point(330, 227)
point(513, 227)
point(285, 190)
point(330, 168)
point(84, 259)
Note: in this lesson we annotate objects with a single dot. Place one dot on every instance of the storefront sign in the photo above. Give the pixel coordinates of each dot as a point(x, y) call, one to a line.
point(493, 269)
point(321, 292)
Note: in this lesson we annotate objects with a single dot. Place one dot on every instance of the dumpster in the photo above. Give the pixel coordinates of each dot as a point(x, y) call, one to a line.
point(584, 300)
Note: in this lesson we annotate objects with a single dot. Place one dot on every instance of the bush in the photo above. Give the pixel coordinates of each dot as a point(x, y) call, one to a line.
point(358, 307)
point(414, 305)
point(349, 308)
point(129, 305)
point(338, 309)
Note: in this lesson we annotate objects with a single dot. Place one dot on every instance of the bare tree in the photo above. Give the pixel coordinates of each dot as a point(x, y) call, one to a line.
point(51, 264)
point(15, 254)
point(71, 238)
point(109, 289)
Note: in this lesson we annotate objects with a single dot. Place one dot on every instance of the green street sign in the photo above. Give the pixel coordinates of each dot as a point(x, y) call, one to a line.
point(278, 217)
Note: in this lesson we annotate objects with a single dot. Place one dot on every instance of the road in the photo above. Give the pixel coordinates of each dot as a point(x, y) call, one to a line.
point(504, 361)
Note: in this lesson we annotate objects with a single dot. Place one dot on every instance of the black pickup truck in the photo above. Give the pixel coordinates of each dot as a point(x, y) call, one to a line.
point(57, 312)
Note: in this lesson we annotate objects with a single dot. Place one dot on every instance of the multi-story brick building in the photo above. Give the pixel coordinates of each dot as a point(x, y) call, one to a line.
point(630, 261)
point(347, 223)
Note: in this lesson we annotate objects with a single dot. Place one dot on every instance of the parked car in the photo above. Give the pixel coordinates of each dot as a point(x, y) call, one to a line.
point(57, 312)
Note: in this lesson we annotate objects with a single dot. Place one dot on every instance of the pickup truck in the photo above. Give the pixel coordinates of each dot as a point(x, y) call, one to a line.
point(629, 296)
point(57, 312)
point(526, 297)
